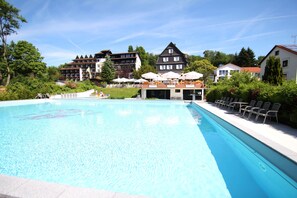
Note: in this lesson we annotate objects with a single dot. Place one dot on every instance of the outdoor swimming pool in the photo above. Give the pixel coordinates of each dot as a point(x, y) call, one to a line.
point(151, 148)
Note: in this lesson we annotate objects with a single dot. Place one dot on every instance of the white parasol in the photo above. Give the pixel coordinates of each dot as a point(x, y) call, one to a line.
point(149, 75)
point(141, 80)
point(159, 78)
point(191, 75)
point(170, 75)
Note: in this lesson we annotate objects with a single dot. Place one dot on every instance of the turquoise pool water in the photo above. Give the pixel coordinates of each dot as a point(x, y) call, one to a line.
point(152, 148)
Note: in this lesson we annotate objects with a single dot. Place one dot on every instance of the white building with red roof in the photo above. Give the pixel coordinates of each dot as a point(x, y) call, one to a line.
point(288, 58)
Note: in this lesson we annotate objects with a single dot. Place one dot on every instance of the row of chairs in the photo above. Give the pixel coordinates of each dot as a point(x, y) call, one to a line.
point(257, 108)
point(230, 103)
point(266, 110)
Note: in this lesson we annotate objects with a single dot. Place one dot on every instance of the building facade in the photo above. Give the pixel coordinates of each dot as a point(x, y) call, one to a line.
point(288, 58)
point(81, 68)
point(125, 63)
point(90, 67)
point(225, 71)
point(171, 59)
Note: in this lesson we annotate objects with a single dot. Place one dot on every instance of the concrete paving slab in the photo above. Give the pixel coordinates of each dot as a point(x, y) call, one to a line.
point(9, 183)
point(38, 189)
point(73, 192)
point(121, 195)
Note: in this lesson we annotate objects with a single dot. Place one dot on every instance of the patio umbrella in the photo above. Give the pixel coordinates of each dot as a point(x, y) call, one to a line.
point(117, 80)
point(170, 75)
point(191, 75)
point(131, 80)
point(149, 75)
point(159, 78)
point(125, 80)
point(141, 80)
point(120, 80)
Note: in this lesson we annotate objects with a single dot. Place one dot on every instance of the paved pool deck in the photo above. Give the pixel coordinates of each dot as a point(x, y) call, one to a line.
point(278, 136)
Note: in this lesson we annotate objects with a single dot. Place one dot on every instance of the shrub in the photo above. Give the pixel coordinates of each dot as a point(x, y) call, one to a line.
point(256, 90)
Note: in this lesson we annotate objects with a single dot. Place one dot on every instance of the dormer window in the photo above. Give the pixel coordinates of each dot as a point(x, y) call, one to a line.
point(170, 51)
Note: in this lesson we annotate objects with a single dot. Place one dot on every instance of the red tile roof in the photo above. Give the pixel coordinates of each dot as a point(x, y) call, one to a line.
point(251, 69)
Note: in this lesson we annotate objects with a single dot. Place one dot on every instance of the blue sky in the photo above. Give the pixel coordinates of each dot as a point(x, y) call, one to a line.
point(63, 29)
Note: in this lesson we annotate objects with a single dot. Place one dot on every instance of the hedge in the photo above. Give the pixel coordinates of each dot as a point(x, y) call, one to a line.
point(285, 94)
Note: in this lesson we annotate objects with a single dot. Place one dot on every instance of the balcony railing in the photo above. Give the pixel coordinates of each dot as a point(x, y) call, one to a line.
point(180, 85)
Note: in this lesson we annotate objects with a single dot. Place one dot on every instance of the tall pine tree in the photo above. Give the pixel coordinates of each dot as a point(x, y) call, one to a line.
point(245, 58)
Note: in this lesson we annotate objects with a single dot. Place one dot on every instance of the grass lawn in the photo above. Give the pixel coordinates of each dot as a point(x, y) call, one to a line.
point(120, 93)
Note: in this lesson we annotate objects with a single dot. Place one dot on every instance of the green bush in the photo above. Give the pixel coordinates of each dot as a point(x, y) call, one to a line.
point(285, 94)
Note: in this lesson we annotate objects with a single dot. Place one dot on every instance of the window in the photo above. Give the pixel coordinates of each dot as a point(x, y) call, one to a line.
point(169, 67)
point(165, 59)
point(223, 72)
point(162, 67)
point(180, 66)
point(170, 51)
point(176, 58)
point(276, 53)
point(177, 91)
point(285, 63)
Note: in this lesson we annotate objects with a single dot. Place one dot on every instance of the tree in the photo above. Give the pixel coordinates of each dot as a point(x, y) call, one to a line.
point(53, 73)
point(260, 58)
point(142, 70)
point(245, 58)
point(193, 58)
point(9, 22)
point(273, 71)
point(108, 71)
point(26, 60)
point(142, 54)
point(201, 66)
point(152, 59)
point(130, 48)
point(217, 58)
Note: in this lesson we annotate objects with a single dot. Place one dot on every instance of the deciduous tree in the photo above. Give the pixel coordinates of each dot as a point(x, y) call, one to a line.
point(10, 20)
point(26, 60)
point(201, 66)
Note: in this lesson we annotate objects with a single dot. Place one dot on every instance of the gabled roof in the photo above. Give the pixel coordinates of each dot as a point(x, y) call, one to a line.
point(175, 49)
point(289, 48)
point(251, 69)
point(228, 65)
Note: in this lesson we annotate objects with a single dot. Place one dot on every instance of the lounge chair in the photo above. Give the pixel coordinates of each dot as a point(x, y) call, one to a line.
point(226, 103)
point(219, 100)
point(255, 111)
point(251, 108)
point(234, 103)
point(39, 96)
point(47, 95)
point(270, 113)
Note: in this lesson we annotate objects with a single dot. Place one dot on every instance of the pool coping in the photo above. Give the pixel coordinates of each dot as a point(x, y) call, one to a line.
point(279, 144)
point(13, 187)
